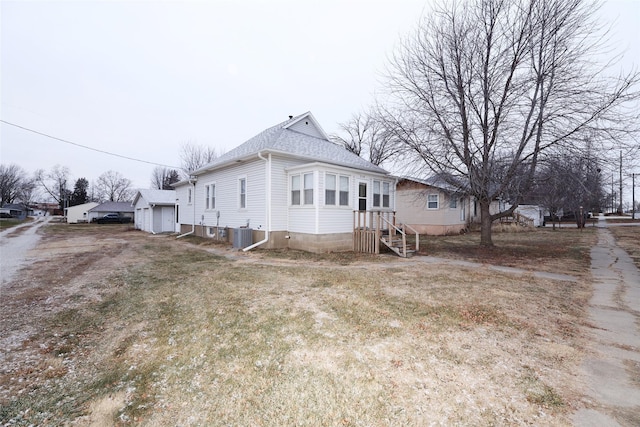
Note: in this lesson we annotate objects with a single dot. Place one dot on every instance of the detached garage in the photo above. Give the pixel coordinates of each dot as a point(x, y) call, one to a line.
point(155, 211)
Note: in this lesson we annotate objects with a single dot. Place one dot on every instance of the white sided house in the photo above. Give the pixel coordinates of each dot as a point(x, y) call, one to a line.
point(155, 211)
point(79, 213)
point(287, 187)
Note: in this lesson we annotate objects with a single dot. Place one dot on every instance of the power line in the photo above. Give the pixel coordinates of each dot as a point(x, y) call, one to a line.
point(88, 148)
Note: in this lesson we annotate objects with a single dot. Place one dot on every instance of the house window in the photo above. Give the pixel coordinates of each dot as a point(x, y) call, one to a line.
point(189, 196)
point(295, 190)
point(376, 194)
point(386, 187)
point(242, 191)
point(210, 196)
point(344, 191)
point(453, 202)
point(308, 188)
point(381, 191)
point(432, 201)
point(330, 190)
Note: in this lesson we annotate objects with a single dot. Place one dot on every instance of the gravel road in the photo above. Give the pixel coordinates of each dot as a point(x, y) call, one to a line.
point(15, 244)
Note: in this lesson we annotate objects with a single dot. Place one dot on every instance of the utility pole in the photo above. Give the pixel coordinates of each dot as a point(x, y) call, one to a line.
point(633, 195)
point(620, 212)
point(613, 197)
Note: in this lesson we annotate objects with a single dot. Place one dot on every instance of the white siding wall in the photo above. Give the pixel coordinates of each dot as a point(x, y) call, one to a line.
point(228, 198)
point(324, 219)
point(305, 126)
point(185, 210)
point(280, 192)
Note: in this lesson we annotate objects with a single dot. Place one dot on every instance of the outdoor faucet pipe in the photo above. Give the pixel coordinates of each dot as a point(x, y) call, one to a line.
point(192, 181)
point(268, 201)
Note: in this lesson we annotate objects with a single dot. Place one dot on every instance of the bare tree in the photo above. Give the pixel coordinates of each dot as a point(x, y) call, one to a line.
point(483, 87)
point(54, 183)
point(13, 180)
point(114, 187)
point(162, 178)
point(365, 135)
point(194, 156)
point(567, 183)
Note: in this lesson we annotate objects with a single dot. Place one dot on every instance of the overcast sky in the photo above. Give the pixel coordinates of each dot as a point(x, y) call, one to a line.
point(141, 78)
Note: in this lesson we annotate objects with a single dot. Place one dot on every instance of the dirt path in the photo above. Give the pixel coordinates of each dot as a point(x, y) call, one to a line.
point(613, 370)
point(14, 245)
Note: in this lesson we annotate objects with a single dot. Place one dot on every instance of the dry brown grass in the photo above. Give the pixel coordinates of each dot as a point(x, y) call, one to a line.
point(628, 238)
point(564, 250)
point(163, 332)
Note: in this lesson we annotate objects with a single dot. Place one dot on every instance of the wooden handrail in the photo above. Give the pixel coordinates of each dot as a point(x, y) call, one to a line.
point(417, 235)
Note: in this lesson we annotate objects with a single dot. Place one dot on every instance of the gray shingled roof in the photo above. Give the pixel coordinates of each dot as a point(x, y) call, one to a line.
point(279, 139)
point(157, 197)
point(113, 207)
point(436, 182)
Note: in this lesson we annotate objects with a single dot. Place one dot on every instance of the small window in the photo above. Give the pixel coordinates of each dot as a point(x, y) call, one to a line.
point(308, 188)
point(295, 190)
point(242, 184)
point(432, 201)
point(210, 196)
point(386, 187)
point(189, 196)
point(376, 194)
point(344, 191)
point(330, 190)
point(453, 202)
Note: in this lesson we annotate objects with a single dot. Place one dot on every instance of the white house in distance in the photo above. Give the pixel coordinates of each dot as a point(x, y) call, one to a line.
point(79, 213)
point(155, 211)
point(292, 186)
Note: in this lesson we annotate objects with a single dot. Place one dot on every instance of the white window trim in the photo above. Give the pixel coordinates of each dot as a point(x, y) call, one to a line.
point(382, 184)
point(374, 194)
point(437, 202)
point(336, 184)
point(337, 191)
point(209, 203)
point(302, 189)
point(246, 191)
point(380, 194)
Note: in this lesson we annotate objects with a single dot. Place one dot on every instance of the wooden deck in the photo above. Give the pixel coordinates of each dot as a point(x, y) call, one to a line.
point(370, 228)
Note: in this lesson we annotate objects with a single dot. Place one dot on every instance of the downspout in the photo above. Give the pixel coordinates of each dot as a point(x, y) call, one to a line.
point(268, 202)
point(152, 208)
point(192, 180)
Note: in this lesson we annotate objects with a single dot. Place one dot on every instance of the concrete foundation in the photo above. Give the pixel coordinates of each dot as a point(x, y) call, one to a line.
point(317, 243)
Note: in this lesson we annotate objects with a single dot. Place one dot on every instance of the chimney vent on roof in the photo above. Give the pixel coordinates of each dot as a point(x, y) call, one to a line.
point(290, 117)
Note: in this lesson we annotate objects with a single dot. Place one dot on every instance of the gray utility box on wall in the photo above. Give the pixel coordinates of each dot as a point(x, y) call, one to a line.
point(242, 237)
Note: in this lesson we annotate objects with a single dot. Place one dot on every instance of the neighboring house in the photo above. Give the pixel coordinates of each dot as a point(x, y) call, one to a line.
point(155, 211)
point(290, 185)
point(431, 206)
point(18, 211)
point(79, 213)
point(533, 212)
point(122, 208)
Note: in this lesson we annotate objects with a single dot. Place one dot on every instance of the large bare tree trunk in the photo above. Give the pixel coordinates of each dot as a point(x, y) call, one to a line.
point(485, 221)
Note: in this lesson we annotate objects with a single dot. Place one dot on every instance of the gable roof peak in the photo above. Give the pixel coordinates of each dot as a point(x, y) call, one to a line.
point(308, 119)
